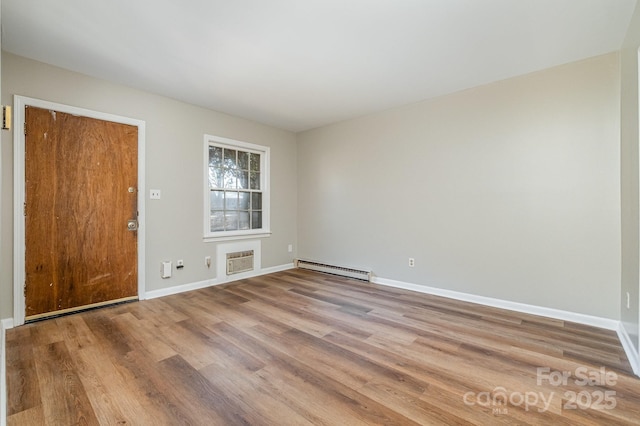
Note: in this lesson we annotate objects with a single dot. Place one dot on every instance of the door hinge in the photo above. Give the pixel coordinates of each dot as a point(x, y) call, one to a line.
point(25, 129)
point(24, 209)
point(25, 289)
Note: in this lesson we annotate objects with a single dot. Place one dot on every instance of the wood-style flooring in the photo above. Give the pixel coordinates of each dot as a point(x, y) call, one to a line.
point(304, 348)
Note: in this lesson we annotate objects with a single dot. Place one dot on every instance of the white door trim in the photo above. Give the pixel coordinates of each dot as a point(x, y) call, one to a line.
point(19, 103)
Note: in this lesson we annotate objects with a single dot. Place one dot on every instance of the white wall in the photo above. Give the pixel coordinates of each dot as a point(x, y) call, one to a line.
point(174, 149)
point(629, 179)
point(510, 190)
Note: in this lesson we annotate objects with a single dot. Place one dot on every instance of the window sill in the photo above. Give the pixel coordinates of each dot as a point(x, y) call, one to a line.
point(231, 237)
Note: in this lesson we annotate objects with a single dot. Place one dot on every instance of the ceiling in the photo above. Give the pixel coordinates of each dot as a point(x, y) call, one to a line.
point(301, 64)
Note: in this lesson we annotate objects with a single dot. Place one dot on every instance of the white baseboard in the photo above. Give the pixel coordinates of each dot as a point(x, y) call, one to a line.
point(7, 323)
point(594, 321)
point(278, 268)
point(212, 282)
point(153, 294)
point(629, 348)
point(3, 372)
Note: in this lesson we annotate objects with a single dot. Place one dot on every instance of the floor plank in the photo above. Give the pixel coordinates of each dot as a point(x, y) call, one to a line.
point(299, 347)
point(64, 399)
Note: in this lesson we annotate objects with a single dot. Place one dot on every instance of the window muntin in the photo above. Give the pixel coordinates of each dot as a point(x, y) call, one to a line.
point(237, 188)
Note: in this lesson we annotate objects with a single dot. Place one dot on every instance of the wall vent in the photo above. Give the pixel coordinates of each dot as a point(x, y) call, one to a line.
point(240, 261)
point(360, 274)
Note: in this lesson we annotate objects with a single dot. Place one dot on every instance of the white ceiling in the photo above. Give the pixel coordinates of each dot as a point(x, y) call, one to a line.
point(300, 64)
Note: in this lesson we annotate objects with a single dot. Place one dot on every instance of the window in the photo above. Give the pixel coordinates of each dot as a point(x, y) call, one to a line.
point(236, 189)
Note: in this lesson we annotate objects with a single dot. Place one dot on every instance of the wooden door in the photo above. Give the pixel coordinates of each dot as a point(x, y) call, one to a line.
point(80, 192)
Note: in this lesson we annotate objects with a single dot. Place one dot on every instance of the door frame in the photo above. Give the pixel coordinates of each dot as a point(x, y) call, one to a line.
point(19, 247)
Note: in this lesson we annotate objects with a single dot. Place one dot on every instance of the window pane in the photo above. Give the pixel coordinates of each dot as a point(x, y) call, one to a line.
point(231, 221)
point(256, 220)
point(255, 180)
point(215, 178)
point(243, 160)
point(243, 220)
point(217, 200)
point(243, 201)
point(256, 201)
point(230, 158)
point(255, 162)
point(243, 179)
point(217, 221)
point(231, 200)
point(230, 179)
point(215, 157)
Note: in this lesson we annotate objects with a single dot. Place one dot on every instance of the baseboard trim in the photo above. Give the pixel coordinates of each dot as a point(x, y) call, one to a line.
point(599, 322)
point(629, 348)
point(7, 323)
point(278, 268)
point(153, 294)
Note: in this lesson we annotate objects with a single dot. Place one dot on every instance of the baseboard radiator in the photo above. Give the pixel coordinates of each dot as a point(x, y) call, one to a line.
point(240, 261)
point(360, 274)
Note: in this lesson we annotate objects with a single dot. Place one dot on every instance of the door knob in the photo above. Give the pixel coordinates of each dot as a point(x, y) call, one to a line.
point(132, 225)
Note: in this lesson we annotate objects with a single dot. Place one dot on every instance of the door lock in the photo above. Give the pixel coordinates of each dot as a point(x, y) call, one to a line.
point(132, 225)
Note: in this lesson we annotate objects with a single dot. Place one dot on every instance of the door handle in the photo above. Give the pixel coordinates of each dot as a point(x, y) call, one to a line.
point(132, 225)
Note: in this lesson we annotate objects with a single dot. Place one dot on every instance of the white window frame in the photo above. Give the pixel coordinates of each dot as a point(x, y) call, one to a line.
point(265, 171)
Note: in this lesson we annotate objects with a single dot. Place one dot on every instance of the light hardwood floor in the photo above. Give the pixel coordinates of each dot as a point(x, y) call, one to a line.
point(302, 348)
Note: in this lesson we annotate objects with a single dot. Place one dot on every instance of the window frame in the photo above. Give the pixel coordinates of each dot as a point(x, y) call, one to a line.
point(265, 171)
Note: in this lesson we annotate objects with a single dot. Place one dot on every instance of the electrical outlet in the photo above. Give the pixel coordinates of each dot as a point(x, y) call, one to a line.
point(154, 194)
point(179, 264)
point(412, 262)
point(207, 261)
